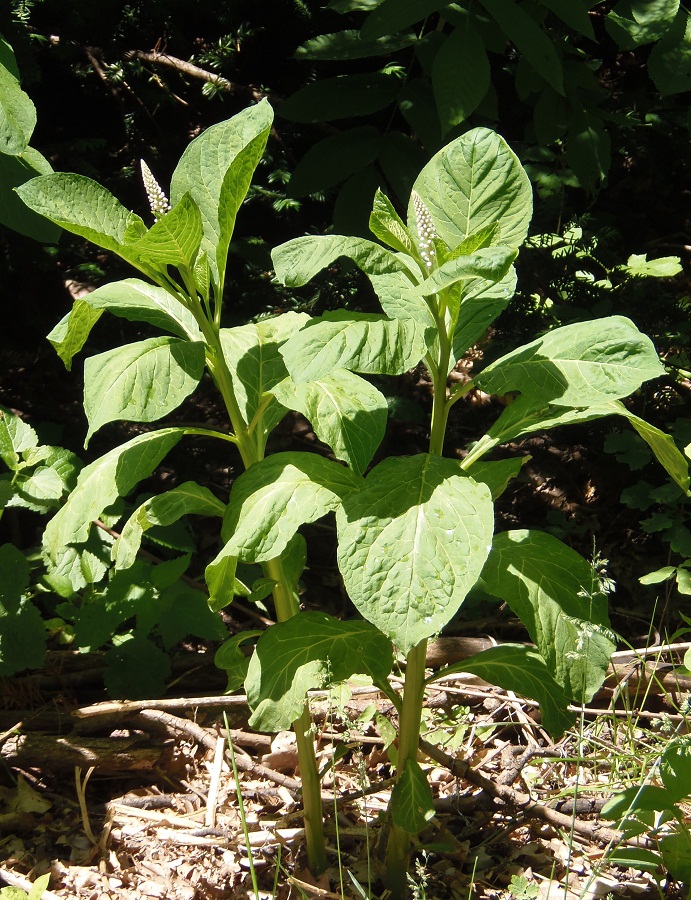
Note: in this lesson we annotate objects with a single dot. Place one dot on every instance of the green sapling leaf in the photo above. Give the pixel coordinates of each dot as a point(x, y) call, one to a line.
point(140, 382)
point(309, 650)
point(233, 661)
point(555, 593)
point(387, 225)
point(516, 667)
point(347, 413)
point(412, 543)
point(362, 342)
point(474, 182)
point(676, 853)
point(675, 767)
point(412, 803)
point(15, 438)
point(270, 501)
point(163, 509)
point(216, 170)
point(101, 483)
point(578, 365)
point(175, 238)
point(17, 112)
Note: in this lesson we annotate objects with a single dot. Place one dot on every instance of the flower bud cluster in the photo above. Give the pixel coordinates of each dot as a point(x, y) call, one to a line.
point(425, 229)
point(157, 199)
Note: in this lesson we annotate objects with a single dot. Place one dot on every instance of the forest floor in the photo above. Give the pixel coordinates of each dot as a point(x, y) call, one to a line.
point(140, 799)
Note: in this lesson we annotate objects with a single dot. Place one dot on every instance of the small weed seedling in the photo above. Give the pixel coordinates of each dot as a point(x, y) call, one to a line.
point(415, 533)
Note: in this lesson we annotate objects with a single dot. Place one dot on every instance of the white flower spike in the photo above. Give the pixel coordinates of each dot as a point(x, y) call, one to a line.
point(157, 199)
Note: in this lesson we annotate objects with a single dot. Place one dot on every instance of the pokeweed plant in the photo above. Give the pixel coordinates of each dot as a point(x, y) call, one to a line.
point(183, 257)
point(416, 534)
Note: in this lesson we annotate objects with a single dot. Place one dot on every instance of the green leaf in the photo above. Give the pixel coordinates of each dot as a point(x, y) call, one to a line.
point(515, 667)
point(535, 45)
point(675, 767)
point(393, 15)
point(216, 170)
point(664, 267)
point(163, 509)
point(347, 413)
point(556, 595)
point(489, 264)
point(479, 307)
point(588, 148)
point(137, 669)
point(412, 803)
point(663, 446)
point(17, 114)
point(472, 183)
point(83, 207)
point(388, 227)
point(676, 853)
point(100, 484)
point(131, 299)
point(140, 382)
point(418, 108)
point(573, 13)
point(335, 158)
point(22, 640)
point(220, 580)
point(412, 543)
point(39, 886)
point(270, 501)
point(175, 238)
point(184, 611)
point(342, 97)
point(252, 353)
point(646, 797)
point(663, 574)
point(7, 58)
point(309, 651)
point(15, 438)
point(39, 491)
point(578, 365)
point(14, 578)
point(497, 474)
point(15, 170)
point(354, 202)
point(635, 858)
point(233, 661)
point(633, 24)
point(460, 76)
point(76, 568)
point(363, 342)
point(350, 44)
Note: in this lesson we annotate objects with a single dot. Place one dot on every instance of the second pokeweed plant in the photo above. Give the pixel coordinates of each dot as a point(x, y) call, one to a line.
point(417, 533)
point(182, 256)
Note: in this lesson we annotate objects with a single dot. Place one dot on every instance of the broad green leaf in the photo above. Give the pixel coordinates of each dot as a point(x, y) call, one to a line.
point(577, 365)
point(535, 45)
point(480, 306)
point(140, 382)
point(363, 342)
point(573, 13)
point(666, 451)
point(7, 58)
point(342, 97)
point(387, 225)
point(669, 64)
point(309, 650)
point(471, 183)
point(270, 501)
point(15, 438)
point(401, 159)
point(15, 170)
point(22, 640)
point(551, 115)
point(347, 413)
point(635, 858)
point(515, 667)
point(83, 207)
point(354, 202)
point(77, 567)
point(39, 491)
point(14, 578)
point(393, 15)
point(489, 264)
point(497, 474)
point(39, 886)
point(676, 853)
point(412, 544)
point(664, 267)
point(175, 238)
point(412, 803)
point(333, 159)
point(349, 44)
point(101, 483)
point(17, 114)
point(663, 574)
point(675, 767)
point(633, 23)
point(220, 580)
point(132, 299)
point(460, 76)
point(136, 669)
point(645, 797)
point(252, 354)
point(183, 611)
point(417, 106)
point(216, 170)
point(588, 148)
point(556, 595)
point(163, 509)
point(233, 661)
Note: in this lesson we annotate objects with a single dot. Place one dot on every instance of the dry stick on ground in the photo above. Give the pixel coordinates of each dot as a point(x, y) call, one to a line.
point(528, 808)
point(19, 881)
